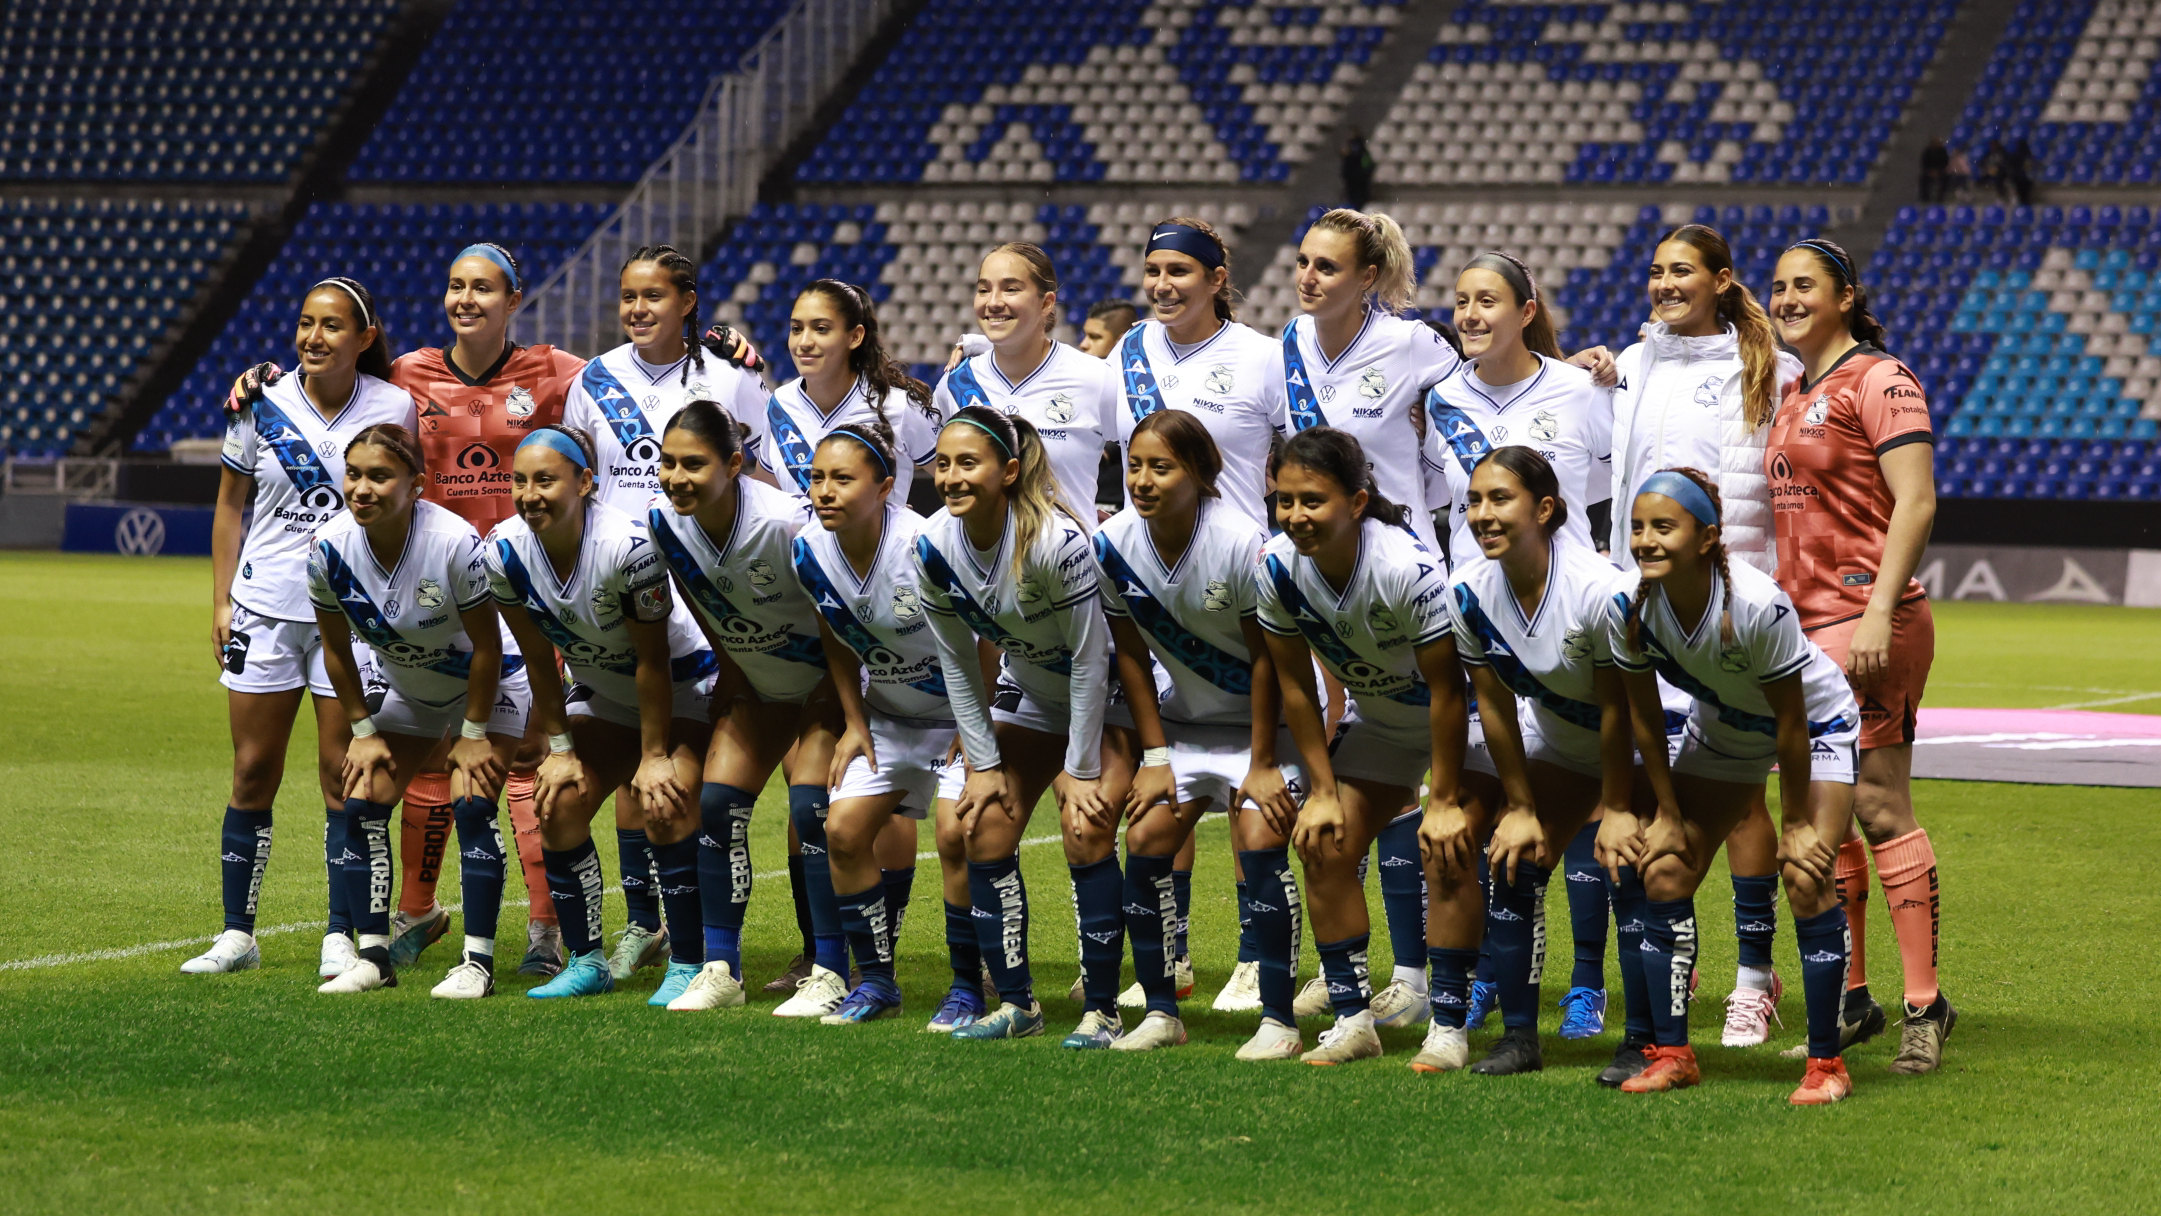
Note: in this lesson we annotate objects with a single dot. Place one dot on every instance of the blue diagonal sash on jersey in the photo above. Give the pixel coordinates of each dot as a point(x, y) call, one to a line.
point(1513, 673)
point(846, 626)
point(965, 607)
point(1664, 662)
point(1305, 408)
point(1463, 436)
point(1226, 671)
point(368, 622)
point(1141, 395)
point(966, 389)
point(797, 648)
point(616, 405)
point(303, 468)
point(521, 581)
point(795, 451)
point(1334, 650)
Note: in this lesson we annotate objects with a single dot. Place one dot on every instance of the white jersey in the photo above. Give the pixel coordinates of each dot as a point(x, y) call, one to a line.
point(408, 615)
point(625, 403)
point(1368, 633)
point(1192, 612)
point(1558, 412)
point(1072, 400)
point(879, 616)
point(617, 577)
point(1368, 391)
point(790, 427)
point(1547, 659)
point(1233, 383)
point(1726, 683)
point(1047, 621)
point(742, 589)
point(297, 458)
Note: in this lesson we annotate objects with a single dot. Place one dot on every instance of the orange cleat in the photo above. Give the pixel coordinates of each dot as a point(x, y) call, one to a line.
point(1669, 1068)
point(1824, 1083)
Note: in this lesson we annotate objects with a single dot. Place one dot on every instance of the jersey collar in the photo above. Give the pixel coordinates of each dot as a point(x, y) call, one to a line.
point(823, 416)
point(494, 369)
point(646, 369)
point(1327, 364)
point(1553, 579)
point(1011, 386)
point(1358, 567)
point(1170, 572)
point(877, 554)
point(1163, 332)
point(997, 555)
point(412, 530)
point(1472, 382)
point(300, 390)
point(1859, 348)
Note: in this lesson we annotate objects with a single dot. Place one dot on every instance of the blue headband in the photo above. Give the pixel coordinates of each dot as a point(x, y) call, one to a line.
point(1188, 240)
point(558, 442)
point(1681, 490)
point(493, 253)
point(1844, 267)
point(863, 439)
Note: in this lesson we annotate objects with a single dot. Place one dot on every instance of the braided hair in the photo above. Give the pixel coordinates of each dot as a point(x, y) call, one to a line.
point(1718, 560)
point(1839, 264)
point(870, 361)
point(393, 439)
point(683, 275)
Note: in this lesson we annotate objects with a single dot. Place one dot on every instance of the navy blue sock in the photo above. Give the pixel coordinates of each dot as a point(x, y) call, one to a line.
point(1248, 951)
point(574, 884)
point(999, 900)
point(1151, 905)
point(1629, 914)
point(641, 899)
point(799, 892)
point(961, 949)
point(1755, 917)
point(369, 880)
point(1270, 896)
point(1484, 974)
point(806, 810)
point(1350, 989)
point(1825, 948)
point(243, 853)
point(1097, 894)
point(341, 916)
point(870, 935)
point(1451, 984)
point(1403, 891)
point(481, 865)
point(1516, 933)
point(899, 888)
point(1182, 888)
point(1587, 904)
point(724, 870)
point(1669, 958)
point(679, 901)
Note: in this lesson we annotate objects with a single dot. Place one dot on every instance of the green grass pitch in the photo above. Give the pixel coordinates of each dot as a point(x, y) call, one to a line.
point(125, 1086)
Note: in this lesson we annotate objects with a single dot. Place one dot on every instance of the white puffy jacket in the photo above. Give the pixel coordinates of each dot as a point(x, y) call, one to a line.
point(1678, 404)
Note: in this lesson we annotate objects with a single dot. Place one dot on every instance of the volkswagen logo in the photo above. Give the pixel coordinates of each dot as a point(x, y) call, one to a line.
point(140, 533)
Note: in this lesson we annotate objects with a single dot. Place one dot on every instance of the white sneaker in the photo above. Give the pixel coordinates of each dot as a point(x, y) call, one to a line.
point(714, 987)
point(339, 954)
point(468, 981)
point(1351, 1038)
point(1097, 1030)
point(1243, 993)
point(820, 993)
point(1312, 999)
point(233, 950)
point(1446, 1049)
point(1749, 1014)
point(636, 948)
point(1273, 1041)
point(362, 976)
point(1156, 1030)
point(1399, 1004)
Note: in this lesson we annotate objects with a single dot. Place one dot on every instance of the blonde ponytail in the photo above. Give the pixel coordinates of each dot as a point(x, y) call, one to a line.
point(1381, 245)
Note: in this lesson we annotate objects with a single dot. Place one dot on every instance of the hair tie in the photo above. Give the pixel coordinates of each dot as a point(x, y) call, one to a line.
point(1188, 240)
point(1681, 490)
point(350, 288)
point(863, 439)
point(558, 442)
point(1844, 267)
point(995, 437)
point(494, 253)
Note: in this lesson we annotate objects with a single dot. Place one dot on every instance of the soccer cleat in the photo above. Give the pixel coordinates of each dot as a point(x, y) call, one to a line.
point(1920, 1042)
point(1666, 1068)
point(339, 953)
point(232, 950)
point(409, 935)
point(1243, 993)
point(365, 975)
point(1273, 1041)
point(1446, 1049)
point(1583, 1013)
point(584, 975)
point(1825, 1082)
point(1351, 1038)
point(963, 1006)
point(1859, 1027)
point(636, 947)
point(1182, 978)
point(1485, 998)
point(1312, 1000)
point(791, 979)
point(714, 987)
point(1097, 1030)
point(1008, 1021)
point(865, 1003)
point(1628, 1061)
point(1516, 1051)
point(674, 984)
point(543, 950)
point(1399, 1004)
point(468, 981)
point(1134, 997)
point(1749, 1014)
point(820, 993)
point(1158, 1029)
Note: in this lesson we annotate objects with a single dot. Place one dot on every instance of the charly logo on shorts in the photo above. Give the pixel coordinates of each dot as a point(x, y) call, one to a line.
point(907, 605)
point(1220, 379)
point(519, 404)
point(429, 594)
point(1818, 410)
point(760, 573)
point(1218, 596)
point(1373, 384)
point(1060, 408)
point(1545, 428)
point(1576, 643)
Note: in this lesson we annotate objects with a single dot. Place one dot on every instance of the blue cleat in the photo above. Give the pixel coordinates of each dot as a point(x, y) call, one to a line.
point(1485, 998)
point(1583, 1013)
point(1011, 1021)
point(673, 983)
point(963, 1007)
point(585, 975)
point(868, 1003)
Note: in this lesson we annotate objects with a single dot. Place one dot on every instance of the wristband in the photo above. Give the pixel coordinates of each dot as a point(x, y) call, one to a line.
point(469, 729)
point(1155, 757)
point(559, 744)
point(365, 728)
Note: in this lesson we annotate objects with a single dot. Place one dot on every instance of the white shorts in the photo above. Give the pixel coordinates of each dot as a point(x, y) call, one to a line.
point(911, 759)
point(1014, 707)
point(399, 714)
point(269, 655)
point(693, 701)
point(1212, 761)
point(1372, 753)
point(1832, 756)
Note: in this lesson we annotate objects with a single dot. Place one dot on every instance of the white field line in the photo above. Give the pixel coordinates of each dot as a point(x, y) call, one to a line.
point(2136, 696)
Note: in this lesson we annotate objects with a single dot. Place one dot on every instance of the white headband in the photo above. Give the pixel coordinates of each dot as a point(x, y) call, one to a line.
point(367, 315)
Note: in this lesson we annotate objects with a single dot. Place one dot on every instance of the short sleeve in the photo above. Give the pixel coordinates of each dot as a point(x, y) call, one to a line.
point(1245, 592)
point(1268, 606)
point(1072, 574)
point(578, 408)
point(1114, 603)
point(748, 407)
point(1619, 604)
point(942, 402)
point(1275, 396)
point(319, 592)
point(1780, 648)
point(469, 581)
point(240, 441)
point(1426, 612)
point(1470, 648)
point(498, 578)
point(1890, 407)
point(917, 428)
point(1111, 402)
point(1598, 425)
point(1432, 359)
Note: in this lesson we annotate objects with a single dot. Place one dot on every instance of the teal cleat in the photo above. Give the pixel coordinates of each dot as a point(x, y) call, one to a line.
point(672, 984)
point(1009, 1022)
point(585, 975)
point(1097, 1030)
point(411, 935)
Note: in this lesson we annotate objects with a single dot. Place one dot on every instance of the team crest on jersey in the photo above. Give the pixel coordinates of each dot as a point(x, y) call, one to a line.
point(519, 404)
point(1707, 392)
point(1733, 660)
point(907, 605)
point(1218, 596)
point(429, 594)
point(1576, 643)
point(1373, 384)
point(1382, 620)
point(1060, 408)
point(760, 572)
point(1028, 592)
point(1220, 379)
point(1818, 410)
point(1545, 428)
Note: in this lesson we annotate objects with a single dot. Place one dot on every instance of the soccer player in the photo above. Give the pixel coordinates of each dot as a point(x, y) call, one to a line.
point(1347, 581)
point(1853, 491)
point(410, 578)
point(1763, 694)
point(1008, 563)
point(286, 452)
point(1697, 392)
point(729, 542)
point(584, 578)
point(1108, 321)
point(847, 379)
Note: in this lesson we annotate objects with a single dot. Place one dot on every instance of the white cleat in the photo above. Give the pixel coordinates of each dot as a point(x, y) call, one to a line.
point(1351, 1038)
point(1399, 1004)
point(339, 955)
point(468, 981)
point(1446, 1049)
point(820, 993)
point(1273, 1041)
point(362, 976)
point(1133, 998)
point(1182, 978)
point(1158, 1029)
point(1243, 993)
point(1749, 1014)
point(636, 948)
point(233, 950)
point(714, 987)
point(1077, 993)
point(1312, 999)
